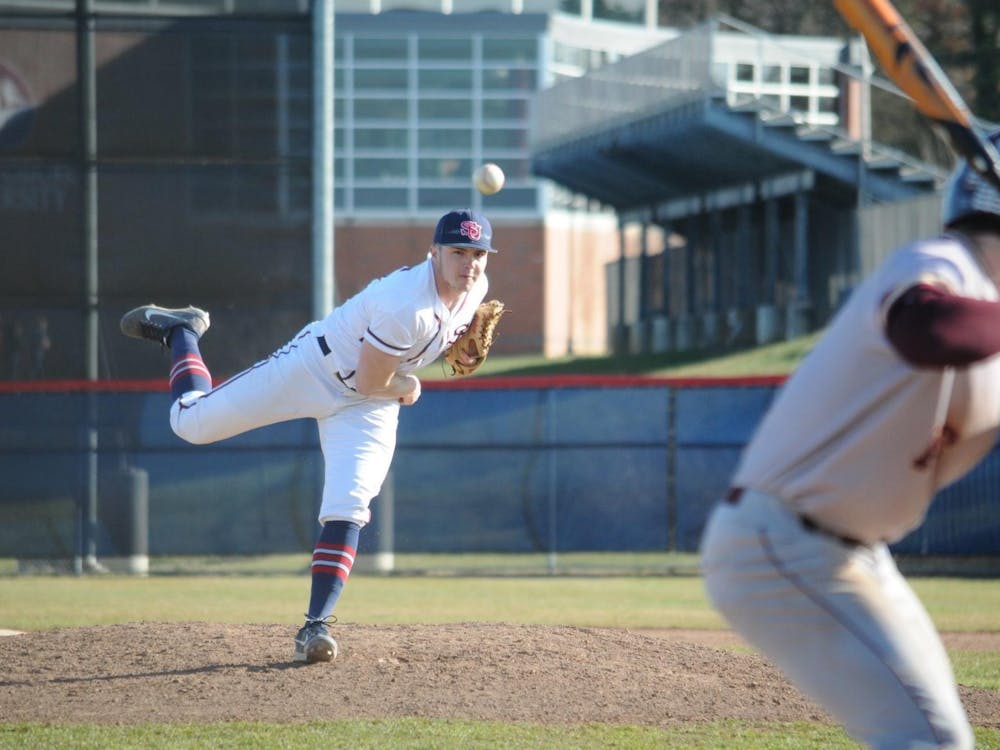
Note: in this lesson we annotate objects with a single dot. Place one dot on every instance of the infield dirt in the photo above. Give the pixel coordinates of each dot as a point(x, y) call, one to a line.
point(208, 672)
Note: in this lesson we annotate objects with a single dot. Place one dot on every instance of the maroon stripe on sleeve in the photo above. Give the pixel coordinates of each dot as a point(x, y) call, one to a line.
point(930, 327)
point(386, 343)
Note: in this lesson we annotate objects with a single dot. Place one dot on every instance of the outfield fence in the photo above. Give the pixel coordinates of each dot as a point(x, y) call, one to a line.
point(493, 466)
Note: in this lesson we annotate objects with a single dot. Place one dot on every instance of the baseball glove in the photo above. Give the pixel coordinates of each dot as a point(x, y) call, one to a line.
point(469, 350)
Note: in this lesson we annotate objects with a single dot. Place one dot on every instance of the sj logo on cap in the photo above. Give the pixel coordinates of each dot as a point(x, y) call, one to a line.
point(472, 229)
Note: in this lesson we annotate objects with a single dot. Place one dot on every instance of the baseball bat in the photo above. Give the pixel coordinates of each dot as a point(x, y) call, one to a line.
point(914, 70)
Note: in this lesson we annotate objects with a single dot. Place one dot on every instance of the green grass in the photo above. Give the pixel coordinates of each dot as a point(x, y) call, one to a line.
point(773, 359)
point(417, 734)
point(37, 603)
point(421, 734)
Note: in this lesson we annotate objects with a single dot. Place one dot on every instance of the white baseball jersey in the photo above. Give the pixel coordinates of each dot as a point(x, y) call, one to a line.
point(400, 314)
point(860, 440)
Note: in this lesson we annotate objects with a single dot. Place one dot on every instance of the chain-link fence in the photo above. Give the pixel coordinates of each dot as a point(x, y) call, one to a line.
point(547, 471)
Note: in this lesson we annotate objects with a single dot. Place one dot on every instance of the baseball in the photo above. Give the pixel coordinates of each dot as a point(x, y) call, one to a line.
point(488, 179)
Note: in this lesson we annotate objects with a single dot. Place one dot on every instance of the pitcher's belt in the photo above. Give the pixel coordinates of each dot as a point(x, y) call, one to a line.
point(735, 494)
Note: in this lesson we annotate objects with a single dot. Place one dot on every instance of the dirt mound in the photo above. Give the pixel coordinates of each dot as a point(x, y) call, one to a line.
point(203, 672)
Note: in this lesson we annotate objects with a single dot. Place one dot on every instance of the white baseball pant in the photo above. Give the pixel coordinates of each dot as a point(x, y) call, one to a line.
point(357, 434)
point(840, 621)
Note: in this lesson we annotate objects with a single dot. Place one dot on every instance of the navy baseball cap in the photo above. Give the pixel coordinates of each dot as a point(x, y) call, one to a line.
point(465, 228)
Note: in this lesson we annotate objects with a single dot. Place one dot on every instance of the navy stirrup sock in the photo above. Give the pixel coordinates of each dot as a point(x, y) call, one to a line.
point(189, 372)
point(332, 561)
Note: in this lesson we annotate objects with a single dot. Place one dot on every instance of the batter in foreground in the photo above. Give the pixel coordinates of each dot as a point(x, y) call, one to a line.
point(900, 398)
point(350, 372)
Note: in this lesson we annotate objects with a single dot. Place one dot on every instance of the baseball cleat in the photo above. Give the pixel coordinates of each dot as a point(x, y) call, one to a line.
point(154, 323)
point(313, 643)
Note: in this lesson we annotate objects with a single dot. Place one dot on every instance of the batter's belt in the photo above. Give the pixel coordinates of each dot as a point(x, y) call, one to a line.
point(735, 494)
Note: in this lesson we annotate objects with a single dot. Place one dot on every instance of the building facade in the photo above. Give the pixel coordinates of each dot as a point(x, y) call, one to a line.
point(189, 178)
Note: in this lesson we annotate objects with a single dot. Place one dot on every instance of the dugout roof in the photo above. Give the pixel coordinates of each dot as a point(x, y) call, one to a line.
point(661, 125)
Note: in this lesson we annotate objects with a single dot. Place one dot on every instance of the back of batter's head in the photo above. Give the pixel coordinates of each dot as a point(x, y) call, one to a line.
point(971, 202)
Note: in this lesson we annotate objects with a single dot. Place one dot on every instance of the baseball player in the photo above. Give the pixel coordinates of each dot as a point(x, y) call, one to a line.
point(350, 372)
point(900, 398)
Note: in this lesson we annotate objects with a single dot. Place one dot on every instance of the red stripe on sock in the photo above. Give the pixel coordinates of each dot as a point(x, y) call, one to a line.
point(340, 556)
point(336, 548)
point(188, 363)
point(330, 570)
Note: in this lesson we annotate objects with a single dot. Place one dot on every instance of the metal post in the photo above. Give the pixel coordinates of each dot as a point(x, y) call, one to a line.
point(644, 322)
point(553, 479)
point(798, 314)
point(385, 526)
point(323, 228)
point(621, 334)
point(671, 460)
point(87, 87)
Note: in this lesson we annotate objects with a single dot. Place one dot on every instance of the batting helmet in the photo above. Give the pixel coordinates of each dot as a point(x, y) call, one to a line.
point(968, 194)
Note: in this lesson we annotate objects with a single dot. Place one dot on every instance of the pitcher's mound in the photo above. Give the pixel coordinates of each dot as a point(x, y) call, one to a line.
point(206, 672)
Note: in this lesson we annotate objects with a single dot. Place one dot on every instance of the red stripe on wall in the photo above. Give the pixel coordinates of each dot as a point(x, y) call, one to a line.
point(512, 382)
point(76, 386)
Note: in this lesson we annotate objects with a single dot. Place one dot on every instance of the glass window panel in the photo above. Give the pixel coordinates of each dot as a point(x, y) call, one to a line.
point(444, 48)
point(268, 6)
point(827, 76)
point(255, 80)
point(380, 198)
point(798, 74)
point(513, 168)
point(511, 198)
point(379, 49)
point(445, 109)
point(516, 49)
point(255, 46)
point(506, 109)
point(445, 138)
point(799, 103)
point(506, 138)
point(564, 53)
point(395, 109)
point(745, 72)
point(257, 193)
point(381, 138)
point(772, 74)
point(826, 104)
point(447, 168)
point(380, 168)
point(356, 6)
point(300, 142)
point(625, 11)
point(251, 141)
point(445, 79)
point(389, 78)
point(509, 78)
point(772, 101)
point(443, 198)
